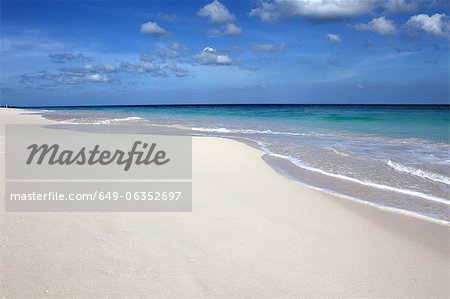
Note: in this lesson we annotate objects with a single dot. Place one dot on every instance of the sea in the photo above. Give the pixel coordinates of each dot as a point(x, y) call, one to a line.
point(391, 157)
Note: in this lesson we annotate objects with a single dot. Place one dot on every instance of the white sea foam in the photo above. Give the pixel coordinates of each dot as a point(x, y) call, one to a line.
point(72, 121)
point(363, 182)
point(419, 172)
point(75, 121)
point(121, 120)
point(340, 153)
point(244, 131)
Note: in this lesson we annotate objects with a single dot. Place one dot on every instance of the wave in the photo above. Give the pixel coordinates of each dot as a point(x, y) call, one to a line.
point(363, 182)
point(121, 120)
point(418, 172)
point(246, 131)
point(75, 121)
point(324, 133)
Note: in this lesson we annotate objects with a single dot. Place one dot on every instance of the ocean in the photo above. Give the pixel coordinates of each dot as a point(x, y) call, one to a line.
point(391, 157)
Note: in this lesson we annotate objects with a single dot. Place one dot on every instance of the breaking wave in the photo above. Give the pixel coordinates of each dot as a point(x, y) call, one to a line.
point(419, 172)
point(75, 121)
point(243, 131)
point(363, 182)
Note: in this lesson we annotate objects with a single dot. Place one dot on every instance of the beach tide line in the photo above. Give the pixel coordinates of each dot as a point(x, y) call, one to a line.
point(365, 183)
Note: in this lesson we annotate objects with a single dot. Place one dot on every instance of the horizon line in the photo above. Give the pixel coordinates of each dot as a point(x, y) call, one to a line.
point(220, 104)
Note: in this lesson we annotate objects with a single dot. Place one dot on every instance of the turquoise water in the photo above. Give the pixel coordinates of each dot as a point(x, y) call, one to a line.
point(390, 121)
point(395, 157)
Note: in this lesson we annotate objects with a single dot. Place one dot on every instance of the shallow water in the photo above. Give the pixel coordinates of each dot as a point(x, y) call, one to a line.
point(391, 156)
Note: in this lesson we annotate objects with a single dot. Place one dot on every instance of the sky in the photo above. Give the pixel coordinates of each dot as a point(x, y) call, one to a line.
point(209, 52)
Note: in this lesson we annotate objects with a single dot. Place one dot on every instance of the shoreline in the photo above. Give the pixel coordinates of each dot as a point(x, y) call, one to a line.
point(252, 231)
point(288, 169)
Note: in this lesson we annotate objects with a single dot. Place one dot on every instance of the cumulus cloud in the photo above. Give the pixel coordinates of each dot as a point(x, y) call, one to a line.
point(216, 12)
point(210, 56)
point(154, 29)
point(97, 78)
point(333, 38)
point(313, 9)
point(437, 25)
point(379, 25)
point(230, 29)
point(268, 47)
point(401, 6)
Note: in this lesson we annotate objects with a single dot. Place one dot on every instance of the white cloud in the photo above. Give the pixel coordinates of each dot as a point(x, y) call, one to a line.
point(333, 38)
point(97, 78)
point(154, 29)
point(313, 9)
point(216, 12)
point(211, 56)
point(269, 47)
point(230, 29)
point(437, 24)
point(379, 25)
point(400, 6)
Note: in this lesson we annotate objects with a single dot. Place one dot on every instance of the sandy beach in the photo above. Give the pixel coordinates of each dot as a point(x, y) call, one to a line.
point(252, 233)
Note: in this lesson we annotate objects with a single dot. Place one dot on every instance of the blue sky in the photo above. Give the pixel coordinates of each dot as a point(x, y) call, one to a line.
point(167, 52)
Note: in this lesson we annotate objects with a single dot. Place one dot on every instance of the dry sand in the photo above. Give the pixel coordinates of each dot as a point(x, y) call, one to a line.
point(252, 233)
